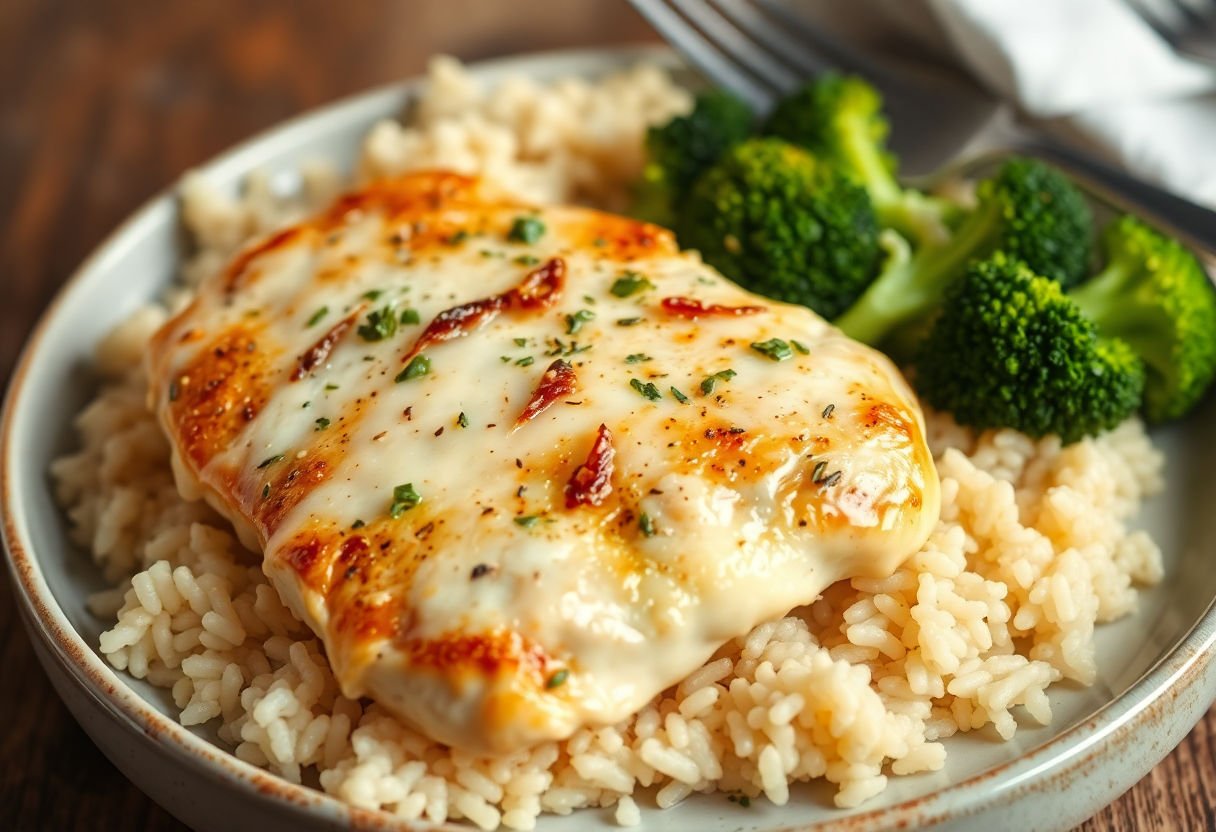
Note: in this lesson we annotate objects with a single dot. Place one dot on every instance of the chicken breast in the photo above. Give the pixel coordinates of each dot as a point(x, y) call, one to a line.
point(523, 468)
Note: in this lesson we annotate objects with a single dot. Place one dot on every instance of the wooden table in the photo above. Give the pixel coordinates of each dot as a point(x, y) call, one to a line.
point(102, 104)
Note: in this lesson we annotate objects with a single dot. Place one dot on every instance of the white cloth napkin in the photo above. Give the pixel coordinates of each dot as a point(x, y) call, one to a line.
point(1095, 68)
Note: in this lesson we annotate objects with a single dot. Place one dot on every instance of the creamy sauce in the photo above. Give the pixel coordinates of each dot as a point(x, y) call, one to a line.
point(574, 537)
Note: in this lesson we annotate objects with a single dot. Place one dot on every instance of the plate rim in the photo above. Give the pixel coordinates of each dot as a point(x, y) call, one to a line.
point(1191, 660)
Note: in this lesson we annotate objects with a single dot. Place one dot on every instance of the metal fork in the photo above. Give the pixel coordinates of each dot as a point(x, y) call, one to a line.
point(761, 49)
point(1189, 26)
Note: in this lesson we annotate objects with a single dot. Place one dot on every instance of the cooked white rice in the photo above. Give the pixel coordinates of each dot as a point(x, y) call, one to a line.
point(1032, 551)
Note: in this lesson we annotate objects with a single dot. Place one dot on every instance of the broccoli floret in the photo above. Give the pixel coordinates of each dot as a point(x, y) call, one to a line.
point(1010, 349)
point(840, 120)
point(1155, 295)
point(773, 218)
point(1028, 209)
point(680, 150)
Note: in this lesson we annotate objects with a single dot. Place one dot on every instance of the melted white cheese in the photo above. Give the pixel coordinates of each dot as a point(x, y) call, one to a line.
point(741, 532)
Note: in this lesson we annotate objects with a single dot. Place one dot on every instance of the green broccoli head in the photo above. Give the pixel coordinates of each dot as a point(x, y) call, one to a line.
point(773, 218)
point(840, 120)
point(680, 150)
point(1010, 349)
point(1155, 295)
point(1043, 219)
point(1028, 209)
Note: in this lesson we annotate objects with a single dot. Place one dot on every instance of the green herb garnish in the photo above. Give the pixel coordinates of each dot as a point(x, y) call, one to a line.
point(636, 358)
point(321, 423)
point(526, 230)
point(315, 317)
point(527, 521)
point(410, 316)
point(680, 397)
point(630, 283)
point(404, 499)
point(629, 321)
point(709, 382)
point(575, 322)
point(646, 525)
point(801, 347)
point(526, 361)
point(381, 324)
point(266, 463)
point(558, 679)
point(462, 420)
point(419, 365)
point(774, 348)
point(646, 389)
point(527, 259)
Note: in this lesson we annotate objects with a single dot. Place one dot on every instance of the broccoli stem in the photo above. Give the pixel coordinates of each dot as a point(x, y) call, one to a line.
point(922, 219)
point(910, 288)
point(1105, 300)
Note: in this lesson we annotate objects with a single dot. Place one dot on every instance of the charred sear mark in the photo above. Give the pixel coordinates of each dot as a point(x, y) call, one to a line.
point(591, 482)
point(558, 382)
point(541, 288)
point(692, 308)
point(316, 355)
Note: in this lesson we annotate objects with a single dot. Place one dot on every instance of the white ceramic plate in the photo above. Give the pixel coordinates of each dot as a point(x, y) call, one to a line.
point(1156, 677)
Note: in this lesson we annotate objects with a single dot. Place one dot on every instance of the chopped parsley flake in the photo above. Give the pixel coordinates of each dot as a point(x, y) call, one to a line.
point(630, 283)
point(419, 365)
point(358, 524)
point(521, 342)
point(636, 358)
point(828, 411)
point(833, 478)
point(372, 294)
point(526, 230)
point(462, 420)
point(774, 348)
point(265, 491)
point(331, 387)
point(575, 322)
point(646, 390)
point(322, 423)
point(315, 317)
point(410, 316)
point(381, 324)
point(265, 463)
point(527, 521)
point(646, 525)
point(405, 497)
point(801, 347)
point(680, 397)
point(526, 361)
point(558, 679)
point(709, 382)
point(629, 321)
point(458, 237)
point(527, 259)
point(589, 299)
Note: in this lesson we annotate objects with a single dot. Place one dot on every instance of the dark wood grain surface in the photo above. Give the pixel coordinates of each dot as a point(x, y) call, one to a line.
point(105, 102)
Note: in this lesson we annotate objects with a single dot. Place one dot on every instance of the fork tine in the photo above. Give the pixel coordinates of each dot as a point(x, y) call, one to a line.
point(1150, 11)
point(705, 56)
point(762, 29)
point(831, 49)
point(734, 42)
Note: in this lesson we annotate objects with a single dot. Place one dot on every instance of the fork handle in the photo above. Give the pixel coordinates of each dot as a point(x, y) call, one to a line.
point(1194, 223)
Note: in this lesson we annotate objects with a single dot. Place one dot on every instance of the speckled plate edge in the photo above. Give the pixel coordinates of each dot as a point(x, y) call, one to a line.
point(1057, 783)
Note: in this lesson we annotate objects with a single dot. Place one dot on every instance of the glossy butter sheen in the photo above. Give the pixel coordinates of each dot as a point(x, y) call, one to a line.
point(570, 555)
